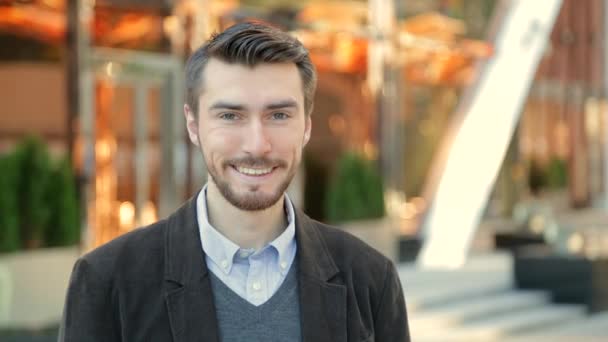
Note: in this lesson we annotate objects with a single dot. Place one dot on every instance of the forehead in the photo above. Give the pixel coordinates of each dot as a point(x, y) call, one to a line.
point(261, 83)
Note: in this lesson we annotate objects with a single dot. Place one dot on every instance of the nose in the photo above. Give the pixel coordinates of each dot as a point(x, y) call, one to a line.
point(256, 139)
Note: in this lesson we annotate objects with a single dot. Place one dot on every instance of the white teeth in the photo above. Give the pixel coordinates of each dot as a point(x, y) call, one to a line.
point(253, 172)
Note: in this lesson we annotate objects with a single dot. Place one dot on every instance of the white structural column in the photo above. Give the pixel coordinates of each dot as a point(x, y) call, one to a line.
point(604, 114)
point(86, 112)
point(385, 82)
point(480, 142)
point(140, 153)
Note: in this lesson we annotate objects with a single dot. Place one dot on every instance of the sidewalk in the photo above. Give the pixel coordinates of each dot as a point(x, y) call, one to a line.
point(46, 335)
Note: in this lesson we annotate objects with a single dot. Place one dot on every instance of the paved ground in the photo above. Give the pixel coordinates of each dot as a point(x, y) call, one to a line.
point(47, 335)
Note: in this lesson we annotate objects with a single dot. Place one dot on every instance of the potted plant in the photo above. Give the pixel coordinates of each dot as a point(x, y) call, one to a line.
point(10, 240)
point(63, 226)
point(556, 174)
point(356, 191)
point(355, 201)
point(33, 181)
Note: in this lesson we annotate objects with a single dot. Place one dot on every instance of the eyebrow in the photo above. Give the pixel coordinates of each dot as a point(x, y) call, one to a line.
point(271, 106)
point(282, 104)
point(226, 105)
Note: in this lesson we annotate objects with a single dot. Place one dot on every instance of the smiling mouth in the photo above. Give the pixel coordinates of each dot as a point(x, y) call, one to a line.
point(253, 172)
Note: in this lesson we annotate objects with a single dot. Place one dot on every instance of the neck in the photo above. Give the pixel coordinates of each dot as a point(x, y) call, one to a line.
point(247, 229)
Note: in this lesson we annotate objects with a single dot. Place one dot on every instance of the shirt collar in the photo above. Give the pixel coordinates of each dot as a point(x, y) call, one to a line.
point(221, 250)
point(285, 243)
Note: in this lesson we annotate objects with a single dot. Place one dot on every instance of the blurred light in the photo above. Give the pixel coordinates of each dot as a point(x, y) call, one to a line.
point(593, 112)
point(148, 215)
point(105, 148)
point(537, 224)
point(110, 69)
point(126, 215)
point(419, 202)
point(370, 151)
point(394, 199)
point(551, 233)
point(576, 243)
point(337, 124)
point(170, 25)
point(408, 211)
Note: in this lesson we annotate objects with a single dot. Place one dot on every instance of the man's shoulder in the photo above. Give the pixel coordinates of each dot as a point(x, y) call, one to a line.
point(348, 250)
point(131, 250)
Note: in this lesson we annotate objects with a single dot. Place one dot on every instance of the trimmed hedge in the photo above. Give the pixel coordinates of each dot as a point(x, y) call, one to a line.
point(10, 239)
point(356, 191)
point(38, 199)
point(34, 178)
point(63, 227)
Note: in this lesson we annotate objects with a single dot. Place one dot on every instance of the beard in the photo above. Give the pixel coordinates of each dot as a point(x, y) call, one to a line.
point(253, 199)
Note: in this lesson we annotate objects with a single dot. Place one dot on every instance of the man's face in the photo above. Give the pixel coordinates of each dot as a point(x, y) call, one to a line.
point(251, 129)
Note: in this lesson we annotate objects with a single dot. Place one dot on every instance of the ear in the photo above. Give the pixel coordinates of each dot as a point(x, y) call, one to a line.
point(308, 127)
point(191, 125)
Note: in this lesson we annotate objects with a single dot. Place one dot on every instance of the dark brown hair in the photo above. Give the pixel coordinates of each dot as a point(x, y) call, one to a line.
point(250, 44)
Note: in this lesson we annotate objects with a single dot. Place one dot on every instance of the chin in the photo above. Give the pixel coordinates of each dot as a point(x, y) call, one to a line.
point(248, 199)
point(255, 202)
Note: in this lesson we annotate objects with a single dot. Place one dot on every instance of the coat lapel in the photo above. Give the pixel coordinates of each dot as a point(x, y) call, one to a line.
point(187, 285)
point(322, 302)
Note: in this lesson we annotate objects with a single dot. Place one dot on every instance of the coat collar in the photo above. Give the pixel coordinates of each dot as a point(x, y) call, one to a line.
point(323, 299)
point(314, 258)
point(188, 288)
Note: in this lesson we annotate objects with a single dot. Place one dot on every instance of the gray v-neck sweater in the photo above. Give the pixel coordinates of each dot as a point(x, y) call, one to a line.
point(276, 320)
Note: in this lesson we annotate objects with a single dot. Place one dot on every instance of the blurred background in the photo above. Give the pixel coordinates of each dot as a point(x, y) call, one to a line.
point(467, 140)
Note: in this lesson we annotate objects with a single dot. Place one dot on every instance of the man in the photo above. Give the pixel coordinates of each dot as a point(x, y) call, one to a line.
point(238, 262)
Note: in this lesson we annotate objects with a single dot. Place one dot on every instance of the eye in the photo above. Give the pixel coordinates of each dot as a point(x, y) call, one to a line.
point(228, 116)
point(280, 116)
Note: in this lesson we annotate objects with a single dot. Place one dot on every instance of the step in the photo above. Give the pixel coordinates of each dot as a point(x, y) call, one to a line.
point(6, 293)
point(411, 273)
point(458, 287)
point(477, 308)
point(594, 326)
point(496, 328)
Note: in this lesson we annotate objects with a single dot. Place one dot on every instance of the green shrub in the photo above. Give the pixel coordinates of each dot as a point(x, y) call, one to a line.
point(9, 217)
point(551, 175)
point(38, 200)
point(63, 228)
point(355, 191)
point(556, 173)
point(536, 177)
point(33, 180)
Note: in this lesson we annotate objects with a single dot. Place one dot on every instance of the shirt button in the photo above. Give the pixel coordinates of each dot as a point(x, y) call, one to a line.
point(283, 265)
point(257, 286)
point(225, 264)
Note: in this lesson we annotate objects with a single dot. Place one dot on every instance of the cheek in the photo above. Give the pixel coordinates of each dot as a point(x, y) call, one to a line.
point(217, 145)
point(289, 145)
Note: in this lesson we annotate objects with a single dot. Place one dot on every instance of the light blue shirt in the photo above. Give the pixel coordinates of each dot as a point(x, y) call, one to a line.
point(253, 275)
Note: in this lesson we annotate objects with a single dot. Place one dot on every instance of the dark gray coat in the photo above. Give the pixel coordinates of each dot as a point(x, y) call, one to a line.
point(153, 285)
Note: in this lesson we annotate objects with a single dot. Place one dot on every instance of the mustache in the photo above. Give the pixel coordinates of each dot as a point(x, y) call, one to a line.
point(253, 162)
